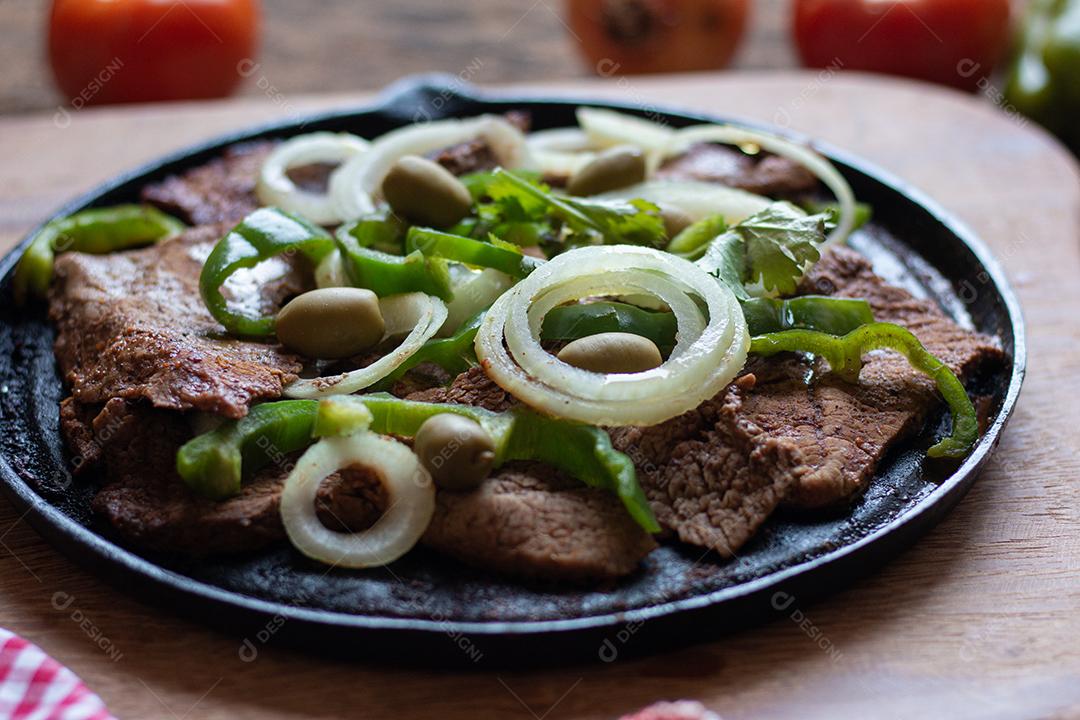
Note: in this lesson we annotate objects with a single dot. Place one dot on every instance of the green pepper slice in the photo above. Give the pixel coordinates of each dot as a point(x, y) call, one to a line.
point(384, 273)
point(455, 354)
point(263, 234)
point(844, 355)
point(502, 257)
point(97, 231)
point(212, 464)
point(832, 315)
point(835, 316)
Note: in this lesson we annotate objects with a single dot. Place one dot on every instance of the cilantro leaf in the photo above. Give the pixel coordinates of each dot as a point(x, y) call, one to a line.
point(531, 209)
point(779, 242)
point(634, 222)
point(772, 247)
point(725, 260)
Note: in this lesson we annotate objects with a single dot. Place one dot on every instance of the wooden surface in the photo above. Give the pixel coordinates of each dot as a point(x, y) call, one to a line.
point(344, 45)
point(980, 620)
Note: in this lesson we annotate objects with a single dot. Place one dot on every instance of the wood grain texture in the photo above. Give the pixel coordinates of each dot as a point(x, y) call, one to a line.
point(979, 620)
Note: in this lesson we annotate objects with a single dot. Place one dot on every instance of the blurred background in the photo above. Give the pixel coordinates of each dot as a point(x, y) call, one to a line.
point(1020, 56)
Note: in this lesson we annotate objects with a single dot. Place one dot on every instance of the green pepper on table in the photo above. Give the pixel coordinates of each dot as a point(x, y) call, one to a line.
point(214, 463)
point(1044, 79)
point(97, 231)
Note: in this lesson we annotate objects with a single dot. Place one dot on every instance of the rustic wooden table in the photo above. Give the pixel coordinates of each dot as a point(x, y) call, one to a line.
point(980, 620)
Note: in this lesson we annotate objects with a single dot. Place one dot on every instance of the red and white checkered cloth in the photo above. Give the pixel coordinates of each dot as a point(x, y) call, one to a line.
point(33, 686)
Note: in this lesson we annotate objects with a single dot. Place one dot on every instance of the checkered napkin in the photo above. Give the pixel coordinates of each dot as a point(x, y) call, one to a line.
point(33, 686)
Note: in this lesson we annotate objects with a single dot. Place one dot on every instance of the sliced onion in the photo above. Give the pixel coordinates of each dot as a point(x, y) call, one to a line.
point(330, 272)
point(417, 314)
point(473, 291)
point(607, 128)
point(697, 199)
point(355, 185)
point(560, 152)
point(410, 501)
point(709, 351)
point(812, 161)
point(274, 186)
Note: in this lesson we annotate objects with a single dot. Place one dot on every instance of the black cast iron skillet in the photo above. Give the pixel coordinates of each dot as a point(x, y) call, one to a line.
point(428, 609)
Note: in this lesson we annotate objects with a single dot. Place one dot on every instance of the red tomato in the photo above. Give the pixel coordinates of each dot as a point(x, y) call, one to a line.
point(953, 42)
point(109, 51)
point(620, 37)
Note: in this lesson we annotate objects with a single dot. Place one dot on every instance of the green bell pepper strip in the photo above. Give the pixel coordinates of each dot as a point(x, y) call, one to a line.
point(570, 322)
point(263, 234)
point(212, 464)
point(832, 315)
point(504, 258)
point(1042, 79)
point(341, 415)
point(455, 354)
point(835, 316)
point(692, 242)
point(97, 231)
point(844, 355)
point(384, 273)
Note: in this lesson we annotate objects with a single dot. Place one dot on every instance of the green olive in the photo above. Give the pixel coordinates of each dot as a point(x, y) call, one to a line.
point(455, 450)
point(334, 322)
point(612, 352)
point(675, 219)
point(426, 193)
point(612, 169)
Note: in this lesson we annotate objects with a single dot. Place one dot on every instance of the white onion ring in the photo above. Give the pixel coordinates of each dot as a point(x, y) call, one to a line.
point(418, 314)
point(695, 198)
point(560, 151)
point(410, 498)
point(812, 161)
point(702, 365)
point(355, 185)
point(607, 128)
point(274, 187)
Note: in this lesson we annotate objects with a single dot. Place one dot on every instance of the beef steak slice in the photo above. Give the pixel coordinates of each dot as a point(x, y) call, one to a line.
point(842, 430)
point(531, 520)
point(764, 174)
point(148, 503)
point(222, 190)
point(132, 325)
point(711, 477)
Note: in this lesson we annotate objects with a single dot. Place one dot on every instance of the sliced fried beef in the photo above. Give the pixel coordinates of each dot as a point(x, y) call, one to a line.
point(476, 155)
point(843, 430)
point(222, 190)
point(132, 325)
point(530, 520)
point(764, 174)
point(709, 475)
point(148, 503)
point(709, 478)
point(467, 157)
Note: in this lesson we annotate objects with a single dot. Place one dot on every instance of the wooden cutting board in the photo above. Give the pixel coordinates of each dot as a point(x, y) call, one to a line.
point(980, 620)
